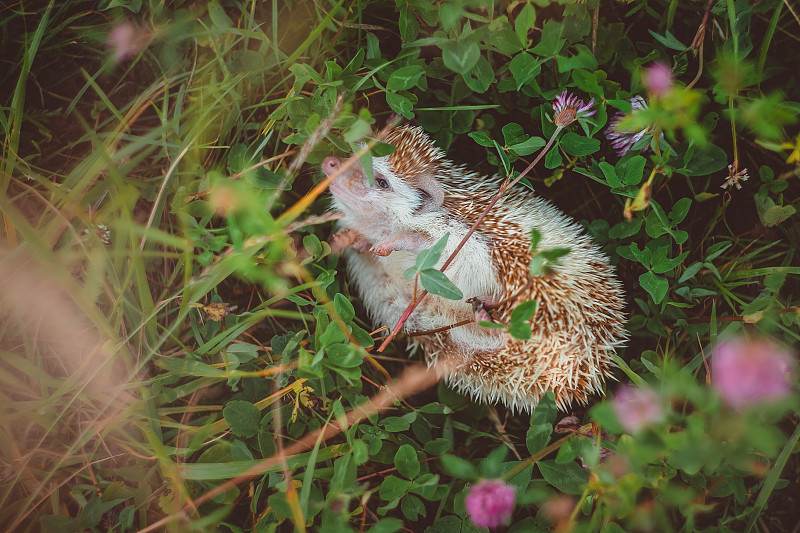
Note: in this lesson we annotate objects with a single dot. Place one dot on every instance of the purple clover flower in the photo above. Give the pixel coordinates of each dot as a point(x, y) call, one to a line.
point(622, 140)
point(567, 109)
point(490, 503)
point(749, 372)
point(637, 408)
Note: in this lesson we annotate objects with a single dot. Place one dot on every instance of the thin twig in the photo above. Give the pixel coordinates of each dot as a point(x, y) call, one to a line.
point(792, 11)
point(697, 43)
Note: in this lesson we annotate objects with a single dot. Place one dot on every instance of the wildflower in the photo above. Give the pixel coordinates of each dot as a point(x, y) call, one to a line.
point(734, 177)
point(747, 372)
point(658, 79)
point(623, 141)
point(126, 40)
point(490, 503)
point(567, 109)
point(637, 408)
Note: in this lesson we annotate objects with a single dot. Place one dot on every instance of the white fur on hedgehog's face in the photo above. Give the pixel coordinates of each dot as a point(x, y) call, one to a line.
point(388, 202)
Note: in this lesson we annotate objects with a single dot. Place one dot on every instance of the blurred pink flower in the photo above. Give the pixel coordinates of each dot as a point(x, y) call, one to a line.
point(126, 39)
point(567, 109)
point(747, 372)
point(636, 408)
point(658, 79)
point(490, 503)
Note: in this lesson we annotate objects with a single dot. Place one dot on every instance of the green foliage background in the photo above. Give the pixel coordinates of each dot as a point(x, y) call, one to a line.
point(155, 224)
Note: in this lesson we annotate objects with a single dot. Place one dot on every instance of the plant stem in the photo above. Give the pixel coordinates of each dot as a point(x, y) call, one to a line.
point(544, 452)
point(502, 189)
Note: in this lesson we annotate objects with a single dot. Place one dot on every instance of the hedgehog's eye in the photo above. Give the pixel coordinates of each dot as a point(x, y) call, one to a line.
point(382, 183)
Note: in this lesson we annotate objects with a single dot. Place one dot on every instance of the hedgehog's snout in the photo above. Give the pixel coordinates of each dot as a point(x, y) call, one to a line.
point(330, 165)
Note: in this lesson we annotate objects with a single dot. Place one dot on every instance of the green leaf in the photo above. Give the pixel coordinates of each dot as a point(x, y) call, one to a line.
point(438, 446)
point(569, 478)
point(537, 437)
point(518, 326)
point(585, 81)
point(261, 178)
point(520, 330)
point(690, 271)
point(503, 157)
point(546, 410)
point(524, 68)
point(575, 144)
point(381, 149)
point(663, 264)
point(706, 160)
point(458, 467)
point(716, 250)
point(435, 282)
point(344, 355)
point(526, 19)
point(242, 417)
point(513, 133)
point(553, 157)
point(634, 170)
point(480, 76)
point(404, 78)
point(527, 147)
point(357, 131)
point(343, 307)
point(669, 40)
point(551, 43)
point(584, 59)
point(333, 333)
point(447, 524)
point(536, 238)
point(394, 424)
point(393, 487)
point(412, 507)
point(218, 17)
point(460, 56)
point(428, 258)
point(482, 138)
point(409, 26)
point(406, 461)
point(188, 367)
point(680, 210)
point(523, 311)
point(400, 104)
point(655, 285)
point(610, 174)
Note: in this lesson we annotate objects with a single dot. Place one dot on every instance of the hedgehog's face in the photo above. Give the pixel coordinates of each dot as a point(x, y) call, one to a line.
point(389, 201)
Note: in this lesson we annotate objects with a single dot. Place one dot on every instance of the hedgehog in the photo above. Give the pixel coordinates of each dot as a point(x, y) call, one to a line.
point(416, 197)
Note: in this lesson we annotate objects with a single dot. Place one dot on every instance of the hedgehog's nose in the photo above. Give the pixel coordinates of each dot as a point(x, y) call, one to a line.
point(330, 165)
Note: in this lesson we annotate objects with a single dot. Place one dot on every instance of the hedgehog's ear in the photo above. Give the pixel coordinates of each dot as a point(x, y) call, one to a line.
point(431, 192)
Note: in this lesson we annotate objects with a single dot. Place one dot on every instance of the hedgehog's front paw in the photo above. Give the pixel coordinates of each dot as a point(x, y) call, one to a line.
point(348, 238)
point(382, 250)
point(412, 241)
